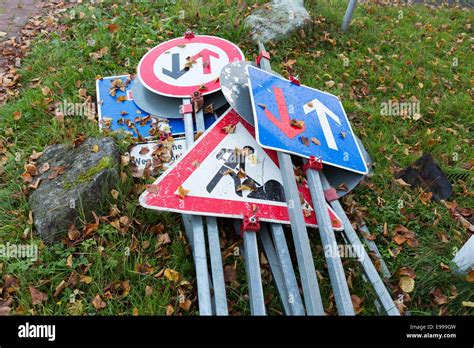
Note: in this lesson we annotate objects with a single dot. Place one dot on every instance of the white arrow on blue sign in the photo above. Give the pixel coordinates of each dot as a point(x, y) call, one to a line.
point(325, 132)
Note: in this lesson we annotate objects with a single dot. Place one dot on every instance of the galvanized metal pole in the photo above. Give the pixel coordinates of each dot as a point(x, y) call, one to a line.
point(252, 265)
point(252, 268)
point(342, 295)
point(220, 298)
point(309, 281)
point(188, 125)
point(276, 269)
point(348, 16)
point(371, 273)
point(281, 248)
point(195, 232)
point(373, 247)
point(200, 262)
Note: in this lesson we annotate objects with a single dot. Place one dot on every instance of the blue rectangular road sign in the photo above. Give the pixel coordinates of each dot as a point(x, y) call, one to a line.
point(303, 121)
point(110, 108)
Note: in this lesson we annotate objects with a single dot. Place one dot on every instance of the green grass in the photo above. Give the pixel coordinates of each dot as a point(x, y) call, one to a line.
point(382, 50)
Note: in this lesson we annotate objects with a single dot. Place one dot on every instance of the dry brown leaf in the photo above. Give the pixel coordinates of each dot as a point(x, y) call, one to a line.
point(98, 303)
point(171, 275)
point(304, 140)
point(315, 141)
point(229, 129)
point(35, 155)
point(438, 297)
point(169, 310)
point(297, 124)
point(113, 28)
point(182, 192)
point(69, 261)
point(185, 304)
point(406, 271)
point(60, 288)
point(37, 296)
point(357, 303)
point(470, 276)
point(399, 239)
point(114, 194)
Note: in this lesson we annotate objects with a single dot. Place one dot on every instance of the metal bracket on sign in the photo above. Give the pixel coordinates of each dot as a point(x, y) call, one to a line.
point(263, 54)
point(295, 80)
point(313, 163)
point(186, 109)
point(189, 34)
point(331, 194)
point(251, 223)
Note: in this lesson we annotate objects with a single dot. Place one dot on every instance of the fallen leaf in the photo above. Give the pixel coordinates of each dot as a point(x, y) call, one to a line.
point(17, 115)
point(85, 279)
point(185, 304)
point(35, 155)
point(182, 192)
point(44, 168)
point(399, 239)
point(470, 276)
point(172, 275)
point(438, 297)
point(95, 148)
point(45, 90)
point(230, 274)
point(144, 150)
point(148, 291)
point(135, 311)
point(113, 28)
point(304, 140)
point(297, 124)
point(229, 129)
point(69, 261)
point(315, 141)
point(357, 303)
point(37, 296)
point(402, 183)
point(114, 194)
point(163, 239)
point(26, 177)
point(98, 303)
point(60, 288)
point(468, 304)
point(406, 271)
point(407, 284)
point(330, 83)
point(169, 310)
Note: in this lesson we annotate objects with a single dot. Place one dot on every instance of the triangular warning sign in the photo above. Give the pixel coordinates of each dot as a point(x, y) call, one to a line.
point(228, 174)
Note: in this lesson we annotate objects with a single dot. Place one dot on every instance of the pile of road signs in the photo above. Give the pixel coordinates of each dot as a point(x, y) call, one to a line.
point(240, 167)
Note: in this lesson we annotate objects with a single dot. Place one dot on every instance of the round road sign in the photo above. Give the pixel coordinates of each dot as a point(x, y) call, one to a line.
point(181, 66)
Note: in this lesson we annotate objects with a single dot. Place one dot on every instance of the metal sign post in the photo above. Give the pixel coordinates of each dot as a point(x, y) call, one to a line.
point(312, 295)
point(369, 269)
point(342, 295)
point(279, 259)
point(194, 227)
point(220, 298)
point(348, 16)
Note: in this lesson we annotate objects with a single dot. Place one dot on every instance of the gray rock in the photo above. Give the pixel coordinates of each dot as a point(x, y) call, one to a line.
point(283, 17)
point(83, 187)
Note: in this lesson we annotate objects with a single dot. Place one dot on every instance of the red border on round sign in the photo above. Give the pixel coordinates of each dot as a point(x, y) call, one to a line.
point(148, 78)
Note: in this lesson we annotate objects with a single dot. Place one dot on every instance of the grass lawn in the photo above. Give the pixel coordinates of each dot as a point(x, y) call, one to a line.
point(409, 54)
